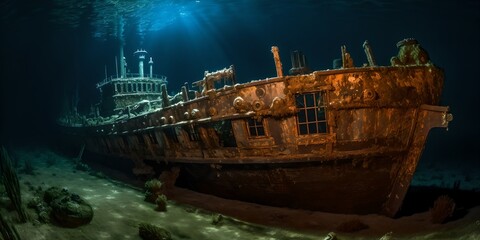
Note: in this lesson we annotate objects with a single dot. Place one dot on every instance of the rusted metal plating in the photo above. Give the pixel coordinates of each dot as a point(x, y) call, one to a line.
point(370, 122)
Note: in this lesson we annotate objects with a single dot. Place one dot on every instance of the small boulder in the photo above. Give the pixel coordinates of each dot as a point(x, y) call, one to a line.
point(70, 210)
point(152, 232)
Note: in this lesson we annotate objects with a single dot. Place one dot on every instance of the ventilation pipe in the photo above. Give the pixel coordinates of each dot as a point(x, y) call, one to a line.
point(369, 53)
point(151, 67)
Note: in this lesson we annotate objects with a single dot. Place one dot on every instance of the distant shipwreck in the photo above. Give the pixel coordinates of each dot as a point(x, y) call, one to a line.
point(343, 140)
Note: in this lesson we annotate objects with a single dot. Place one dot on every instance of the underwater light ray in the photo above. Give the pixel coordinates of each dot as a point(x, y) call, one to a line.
point(200, 30)
point(215, 24)
point(104, 15)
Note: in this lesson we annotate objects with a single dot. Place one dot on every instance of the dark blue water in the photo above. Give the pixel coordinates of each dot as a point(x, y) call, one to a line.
point(48, 48)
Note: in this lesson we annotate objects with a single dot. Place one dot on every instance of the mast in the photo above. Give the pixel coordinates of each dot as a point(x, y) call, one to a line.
point(121, 42)
point(151, 67)
point(123, 64)
point(116, 66)
point(278, 62)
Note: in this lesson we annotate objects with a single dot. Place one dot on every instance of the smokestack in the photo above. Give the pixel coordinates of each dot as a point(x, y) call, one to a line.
point(141, 56)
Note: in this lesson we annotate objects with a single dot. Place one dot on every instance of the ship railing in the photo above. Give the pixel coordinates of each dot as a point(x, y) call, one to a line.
point(216, 80)
point(138, 108)
point(155, 77)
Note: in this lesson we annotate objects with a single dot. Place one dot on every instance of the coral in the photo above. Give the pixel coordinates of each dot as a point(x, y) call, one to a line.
point(153, 185)
point(153, 188)
point(161, 202)
point(410, 52)
point(152, 232)
point(443, 208)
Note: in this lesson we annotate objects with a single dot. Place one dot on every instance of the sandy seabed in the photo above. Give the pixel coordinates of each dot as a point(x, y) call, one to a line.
point(119, 208)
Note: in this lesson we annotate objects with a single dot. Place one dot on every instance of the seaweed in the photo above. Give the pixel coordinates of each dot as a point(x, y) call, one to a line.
point(8, 231)
point(12, 186)
point(161, 203)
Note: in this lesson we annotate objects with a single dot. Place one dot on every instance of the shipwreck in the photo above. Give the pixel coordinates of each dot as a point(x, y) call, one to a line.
point(342, 140)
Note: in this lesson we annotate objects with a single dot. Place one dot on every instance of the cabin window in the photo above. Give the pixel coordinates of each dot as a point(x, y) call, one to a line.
point(171, 134)
point(255, 128)
point(129, 88)
point(225, 133)
point(311, 117)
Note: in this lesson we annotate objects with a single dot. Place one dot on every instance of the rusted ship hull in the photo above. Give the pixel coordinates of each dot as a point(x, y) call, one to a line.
point(361, 181)
point(345, 140)
point(343, 186)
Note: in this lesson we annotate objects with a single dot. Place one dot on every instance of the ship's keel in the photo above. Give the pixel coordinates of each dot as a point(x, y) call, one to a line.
point(342, 186)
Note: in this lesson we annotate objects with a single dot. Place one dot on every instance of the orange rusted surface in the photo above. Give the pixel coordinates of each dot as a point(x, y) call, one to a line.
point(342, 140)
